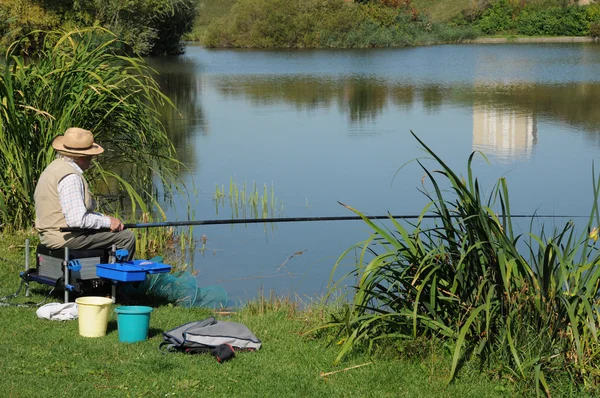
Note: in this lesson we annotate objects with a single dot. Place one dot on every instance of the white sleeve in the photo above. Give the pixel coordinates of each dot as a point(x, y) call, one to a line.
point(71, 196)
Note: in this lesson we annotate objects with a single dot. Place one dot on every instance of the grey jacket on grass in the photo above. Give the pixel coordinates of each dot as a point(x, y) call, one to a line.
point(203, 335)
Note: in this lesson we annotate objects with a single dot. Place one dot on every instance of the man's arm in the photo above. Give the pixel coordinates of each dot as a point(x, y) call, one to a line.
point(71, 195)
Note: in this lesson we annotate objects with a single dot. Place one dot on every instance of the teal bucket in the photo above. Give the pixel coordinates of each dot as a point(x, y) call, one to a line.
point(133, 323)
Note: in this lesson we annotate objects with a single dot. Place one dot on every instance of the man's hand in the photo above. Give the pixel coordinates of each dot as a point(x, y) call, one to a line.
point(115, 224)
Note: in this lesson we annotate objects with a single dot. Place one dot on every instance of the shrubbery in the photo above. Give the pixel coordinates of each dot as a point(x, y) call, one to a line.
point(505, 16)
point(158, 26)
point(325, 24)
point(145, 26)
point(386, 23)
point(595, 30)
point(498, 17)
point(570, 21)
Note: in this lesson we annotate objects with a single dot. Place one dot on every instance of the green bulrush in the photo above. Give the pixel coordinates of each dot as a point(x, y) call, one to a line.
point(462, 278)
point(77, 79)
point(265, 208)
point(151, 242)
point(249, 204)
point(243, 194)
point(272, 197)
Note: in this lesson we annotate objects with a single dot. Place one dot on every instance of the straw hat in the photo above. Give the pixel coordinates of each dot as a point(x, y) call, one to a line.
point(78, 142)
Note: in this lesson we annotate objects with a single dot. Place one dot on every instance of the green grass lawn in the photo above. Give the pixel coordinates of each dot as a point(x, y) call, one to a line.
point(49, 358)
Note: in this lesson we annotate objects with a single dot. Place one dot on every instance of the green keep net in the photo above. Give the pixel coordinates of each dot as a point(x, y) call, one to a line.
point(181, 288)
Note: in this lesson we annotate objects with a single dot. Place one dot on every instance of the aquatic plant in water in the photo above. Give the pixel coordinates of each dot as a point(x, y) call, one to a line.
point(245, 203)
point(463, 280)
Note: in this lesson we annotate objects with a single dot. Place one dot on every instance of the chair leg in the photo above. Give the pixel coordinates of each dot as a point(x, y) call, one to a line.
point(67, 276)
point(26, 266)
point(114, 292)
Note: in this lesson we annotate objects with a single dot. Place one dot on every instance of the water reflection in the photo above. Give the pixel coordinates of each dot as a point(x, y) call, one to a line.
point(360, 98)
point(180, 80)
point(505, 133)
point(504, 119)
point(363, 99)
point(573, 103)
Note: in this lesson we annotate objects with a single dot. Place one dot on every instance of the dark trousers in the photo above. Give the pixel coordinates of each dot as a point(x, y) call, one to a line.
point(124, 239)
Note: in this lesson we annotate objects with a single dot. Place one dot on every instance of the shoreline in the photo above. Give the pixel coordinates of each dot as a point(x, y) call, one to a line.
point(479, 40)
point(558, 39)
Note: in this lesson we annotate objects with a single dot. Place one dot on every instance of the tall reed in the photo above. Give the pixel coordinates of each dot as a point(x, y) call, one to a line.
point(462, 279)
point(78, 79)
point(245, 203)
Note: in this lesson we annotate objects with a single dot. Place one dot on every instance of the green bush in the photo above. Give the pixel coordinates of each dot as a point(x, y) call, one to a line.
point(454, 34)
point(593, 15)
point(374, 23)
point(554, 21)
point(595, 30)
point(466, 17)
point(329, 24)
point(497, 17)
point(207, 12)
point(20, 17)
point(145, 26)
point(281, 23)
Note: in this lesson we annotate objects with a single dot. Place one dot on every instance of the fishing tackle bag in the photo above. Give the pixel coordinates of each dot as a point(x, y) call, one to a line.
point(208, 334)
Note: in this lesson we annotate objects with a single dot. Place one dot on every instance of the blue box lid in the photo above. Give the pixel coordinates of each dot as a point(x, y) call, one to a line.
point(122, 267)
point(137, 266)
point(121, 272)
point(150, 266)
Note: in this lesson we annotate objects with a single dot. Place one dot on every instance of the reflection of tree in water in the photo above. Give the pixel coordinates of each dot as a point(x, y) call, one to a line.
point(179, 79)
point(403, 96)
point(432, 96)
point(303, 93)
point(364, 99)
point(576, 104)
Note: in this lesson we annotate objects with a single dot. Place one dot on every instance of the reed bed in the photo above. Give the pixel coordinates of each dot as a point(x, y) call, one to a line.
point(530, 316)
point(78, 78)
point(245, 203)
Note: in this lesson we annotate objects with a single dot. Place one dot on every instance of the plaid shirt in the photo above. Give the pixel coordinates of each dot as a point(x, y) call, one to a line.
point(71, 195)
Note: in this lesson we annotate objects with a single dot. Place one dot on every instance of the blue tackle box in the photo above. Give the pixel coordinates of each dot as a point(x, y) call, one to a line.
point(130, 271)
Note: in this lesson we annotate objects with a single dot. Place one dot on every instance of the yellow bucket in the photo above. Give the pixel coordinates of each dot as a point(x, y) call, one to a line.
point(93, 315)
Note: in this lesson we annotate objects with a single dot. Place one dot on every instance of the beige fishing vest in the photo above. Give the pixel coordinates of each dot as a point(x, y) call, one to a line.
point(49, 217)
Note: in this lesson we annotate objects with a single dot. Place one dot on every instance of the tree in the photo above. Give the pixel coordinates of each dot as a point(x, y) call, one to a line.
point(145, 26)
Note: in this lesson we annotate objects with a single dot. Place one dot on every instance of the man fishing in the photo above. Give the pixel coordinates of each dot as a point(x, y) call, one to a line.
point(62, 199)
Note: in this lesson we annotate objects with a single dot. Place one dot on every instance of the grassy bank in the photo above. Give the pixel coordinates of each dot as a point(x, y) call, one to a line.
point(41, 357)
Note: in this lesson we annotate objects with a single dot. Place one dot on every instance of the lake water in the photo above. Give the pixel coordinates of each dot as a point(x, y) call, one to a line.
point(322, 126)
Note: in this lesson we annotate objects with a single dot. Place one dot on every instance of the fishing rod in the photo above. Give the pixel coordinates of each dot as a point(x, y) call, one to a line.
point(294, 219)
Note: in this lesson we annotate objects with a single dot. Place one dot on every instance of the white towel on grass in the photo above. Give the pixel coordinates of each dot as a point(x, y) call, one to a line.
point(58, 311)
